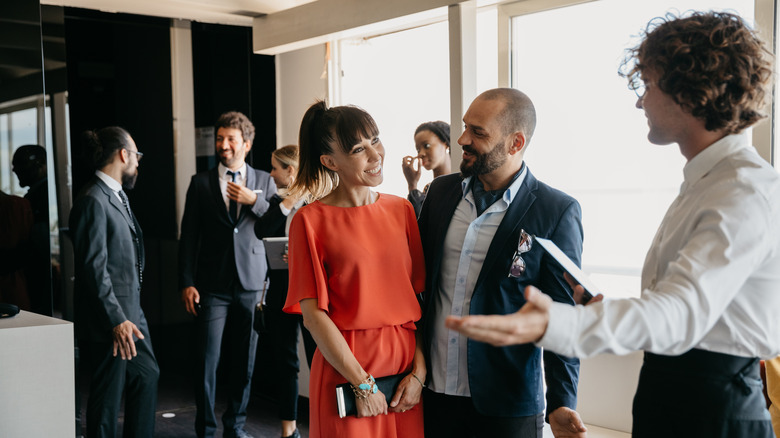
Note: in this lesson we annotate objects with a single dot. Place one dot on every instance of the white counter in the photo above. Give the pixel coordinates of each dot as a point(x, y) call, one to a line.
point(37, 381)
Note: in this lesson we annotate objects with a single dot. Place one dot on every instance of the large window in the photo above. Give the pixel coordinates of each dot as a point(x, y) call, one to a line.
point(402, 80)
point(591, 140)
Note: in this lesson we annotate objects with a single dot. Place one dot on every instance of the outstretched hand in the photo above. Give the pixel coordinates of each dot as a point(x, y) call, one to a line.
point(526, 325)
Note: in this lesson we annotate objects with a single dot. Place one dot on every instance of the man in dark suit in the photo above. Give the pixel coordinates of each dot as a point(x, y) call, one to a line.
point(109, 256)
point(222, 267)
point(475, 229)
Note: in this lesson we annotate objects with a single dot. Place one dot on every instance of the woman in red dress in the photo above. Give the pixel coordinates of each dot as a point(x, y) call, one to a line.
point(358, 267)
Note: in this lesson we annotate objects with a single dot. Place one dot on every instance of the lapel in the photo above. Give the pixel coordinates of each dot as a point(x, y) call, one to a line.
point(116, 203)
point(216, 195)
point(451, 198)
point(509, 225)
point(132, 222)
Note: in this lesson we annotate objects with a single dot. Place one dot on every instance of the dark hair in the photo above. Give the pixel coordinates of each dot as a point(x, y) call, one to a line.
point(322, 130)
point(29, 153)
point(438, 128)
point(519, 114)
point(236, 120)
point(101, 145)
point(710, 63)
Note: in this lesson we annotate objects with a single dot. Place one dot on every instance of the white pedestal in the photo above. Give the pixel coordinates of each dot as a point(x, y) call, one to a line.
point(37, 381)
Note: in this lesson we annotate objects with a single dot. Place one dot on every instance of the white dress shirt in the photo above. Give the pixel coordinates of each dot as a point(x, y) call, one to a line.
point(711, 278)
point(465, 248)
point(224, 178)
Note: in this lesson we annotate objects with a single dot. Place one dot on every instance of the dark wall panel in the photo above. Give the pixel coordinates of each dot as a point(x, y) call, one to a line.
point(119, 73)
point(228, 77)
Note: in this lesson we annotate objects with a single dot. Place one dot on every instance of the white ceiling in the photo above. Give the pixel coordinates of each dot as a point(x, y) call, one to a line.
point(235, 12)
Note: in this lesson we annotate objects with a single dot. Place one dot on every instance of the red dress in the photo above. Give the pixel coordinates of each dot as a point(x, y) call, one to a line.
point(364, 265)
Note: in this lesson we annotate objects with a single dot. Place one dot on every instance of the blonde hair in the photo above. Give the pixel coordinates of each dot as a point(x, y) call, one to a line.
point(287, 156)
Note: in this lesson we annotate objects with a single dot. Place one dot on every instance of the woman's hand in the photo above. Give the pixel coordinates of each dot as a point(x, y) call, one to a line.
point(407, 395)
point(372, 405)
point(411, 174)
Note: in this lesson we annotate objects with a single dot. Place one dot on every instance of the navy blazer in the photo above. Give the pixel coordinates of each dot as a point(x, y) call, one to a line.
point(507, 381)
point(210, 243)
point(108, 271)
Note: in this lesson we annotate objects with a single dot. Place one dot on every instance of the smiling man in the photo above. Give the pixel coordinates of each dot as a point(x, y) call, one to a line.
point(710, 304)
point(474, 227)
point(222, 267)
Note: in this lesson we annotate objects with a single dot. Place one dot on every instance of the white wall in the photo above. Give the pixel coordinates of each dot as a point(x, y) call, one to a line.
point(299, 82)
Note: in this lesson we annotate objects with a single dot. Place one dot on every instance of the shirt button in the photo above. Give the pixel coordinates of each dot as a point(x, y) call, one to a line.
point(453, 341)
point(235, 230)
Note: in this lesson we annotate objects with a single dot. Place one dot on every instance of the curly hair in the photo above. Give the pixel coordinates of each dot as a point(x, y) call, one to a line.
point(710, 63)
point(236, 120)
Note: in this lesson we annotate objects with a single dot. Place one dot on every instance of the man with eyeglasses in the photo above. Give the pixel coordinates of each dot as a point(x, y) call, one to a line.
point(711, 280)
point(109, 261)
point(476, 230)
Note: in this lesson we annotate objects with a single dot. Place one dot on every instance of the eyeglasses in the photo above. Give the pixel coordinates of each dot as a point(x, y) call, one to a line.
point(138, 154)
point(518, 264)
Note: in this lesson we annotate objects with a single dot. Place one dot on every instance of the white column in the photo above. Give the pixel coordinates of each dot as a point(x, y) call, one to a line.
point(183, 110)
point(463, 69)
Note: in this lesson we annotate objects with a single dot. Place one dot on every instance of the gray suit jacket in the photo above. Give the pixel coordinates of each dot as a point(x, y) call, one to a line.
point(211, 244)
point(109, 259)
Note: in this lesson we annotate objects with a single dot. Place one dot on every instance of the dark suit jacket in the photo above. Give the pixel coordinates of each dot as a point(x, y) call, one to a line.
point(507, 381)
point(210, 244)
point(108, 283)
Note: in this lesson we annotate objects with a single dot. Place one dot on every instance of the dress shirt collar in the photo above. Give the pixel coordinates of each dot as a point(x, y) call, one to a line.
point(705, 160)
point(222, 171)
point(511, 191)
point(110, 181)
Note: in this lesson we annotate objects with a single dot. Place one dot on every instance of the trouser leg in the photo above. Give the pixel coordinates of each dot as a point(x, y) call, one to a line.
point(143, 375)
point(210, 325)
point(243, 348)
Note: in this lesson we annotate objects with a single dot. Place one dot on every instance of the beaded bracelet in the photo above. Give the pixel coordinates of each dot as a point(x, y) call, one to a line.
point(366, 388)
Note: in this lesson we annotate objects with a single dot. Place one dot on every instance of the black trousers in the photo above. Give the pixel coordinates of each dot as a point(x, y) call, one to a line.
point(110, 376)
point(450, 416)
point(282, 337)
point(229, 313)
point(700, 394)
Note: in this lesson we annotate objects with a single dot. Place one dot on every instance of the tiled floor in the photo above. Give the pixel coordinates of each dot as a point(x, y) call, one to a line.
point(176, 412)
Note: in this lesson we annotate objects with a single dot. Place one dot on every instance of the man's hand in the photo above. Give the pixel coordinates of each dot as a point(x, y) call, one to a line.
point(123, 339)
point(191, 298)
point(407, 395)
point(579, 291)
point(241, 194)
point(411, 174)
point(566, 423)
point(526, 325)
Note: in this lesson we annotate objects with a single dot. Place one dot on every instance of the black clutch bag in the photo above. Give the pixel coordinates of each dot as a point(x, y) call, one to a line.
point(345, 398)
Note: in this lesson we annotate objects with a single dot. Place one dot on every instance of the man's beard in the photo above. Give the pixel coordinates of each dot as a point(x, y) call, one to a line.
point(128, 180)
point(484, 163)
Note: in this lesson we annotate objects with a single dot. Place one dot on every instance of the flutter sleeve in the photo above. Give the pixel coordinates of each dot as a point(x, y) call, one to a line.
point(308, 275)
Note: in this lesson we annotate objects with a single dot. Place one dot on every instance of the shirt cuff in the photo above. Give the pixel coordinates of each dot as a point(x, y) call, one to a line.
point(561, 329)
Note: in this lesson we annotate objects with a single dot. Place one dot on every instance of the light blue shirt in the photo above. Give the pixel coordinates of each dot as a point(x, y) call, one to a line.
point(465, 247)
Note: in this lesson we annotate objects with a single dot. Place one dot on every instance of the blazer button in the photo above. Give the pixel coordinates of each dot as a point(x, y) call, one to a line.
point(235, 230)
